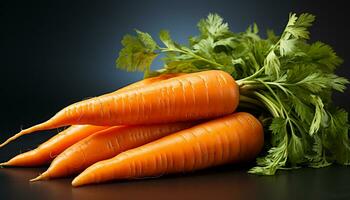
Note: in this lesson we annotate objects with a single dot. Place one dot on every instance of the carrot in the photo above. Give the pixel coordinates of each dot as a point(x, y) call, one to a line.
point(230, 139)
point(136, 85)
point(176, 99)
point(47, 151)
point(106, 144)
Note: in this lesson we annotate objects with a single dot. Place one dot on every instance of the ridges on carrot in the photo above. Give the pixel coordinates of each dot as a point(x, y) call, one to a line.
point(106, 144)
point(175, 99)
point(47, 151)
point(139, 84)
point(234, 138)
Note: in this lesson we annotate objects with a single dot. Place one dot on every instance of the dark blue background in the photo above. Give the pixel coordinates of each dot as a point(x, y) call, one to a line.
point(54, 53)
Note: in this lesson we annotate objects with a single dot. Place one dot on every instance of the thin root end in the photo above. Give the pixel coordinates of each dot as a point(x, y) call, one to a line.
point(75, 183)
point(4, 164)
point(39, 178)
point(11, 139)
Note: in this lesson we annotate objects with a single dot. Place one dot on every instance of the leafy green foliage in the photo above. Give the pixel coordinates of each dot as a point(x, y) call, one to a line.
point(138, 52)
point(297, 26)
point(293, 79)
point(272, 64)
point(213, 26)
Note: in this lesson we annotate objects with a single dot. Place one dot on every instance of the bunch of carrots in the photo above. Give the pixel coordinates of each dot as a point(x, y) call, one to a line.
point(184, 117)
point(167, 124)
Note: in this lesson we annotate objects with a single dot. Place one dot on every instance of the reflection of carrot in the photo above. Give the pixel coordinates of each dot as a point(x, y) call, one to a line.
point(187, 97)
point(46, 152)
point(106, 144)
point(237, 137)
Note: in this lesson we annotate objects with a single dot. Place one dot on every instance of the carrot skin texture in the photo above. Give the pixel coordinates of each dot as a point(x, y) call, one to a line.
point(135, 85)
point(181, 98)
point(234, 138)
point(177, 99)
point(47, 151)
point(106, 144)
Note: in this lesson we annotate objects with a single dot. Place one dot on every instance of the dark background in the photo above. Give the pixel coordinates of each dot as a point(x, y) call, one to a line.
point(54, 53)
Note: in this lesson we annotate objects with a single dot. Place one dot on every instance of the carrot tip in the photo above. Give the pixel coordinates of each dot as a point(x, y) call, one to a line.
point(4, 164)
point(11, 139)
point(35, 179)
point(38, 127)
point(39, 178)
point(76, 183)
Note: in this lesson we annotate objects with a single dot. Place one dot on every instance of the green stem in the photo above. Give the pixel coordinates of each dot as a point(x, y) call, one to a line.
point(269, 104)
point(251, 76)
point(252, 58)
point(243, 98)
point(194, 55)
point(248, 106)
point(248, 89)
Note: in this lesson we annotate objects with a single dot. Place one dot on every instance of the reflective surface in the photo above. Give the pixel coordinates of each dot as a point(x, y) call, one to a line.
point(221, 183)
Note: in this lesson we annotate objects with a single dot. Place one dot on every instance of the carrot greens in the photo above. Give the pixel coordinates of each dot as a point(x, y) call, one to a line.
point(290, 77)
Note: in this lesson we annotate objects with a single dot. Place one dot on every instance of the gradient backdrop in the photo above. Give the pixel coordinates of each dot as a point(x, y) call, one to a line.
point(54, 53)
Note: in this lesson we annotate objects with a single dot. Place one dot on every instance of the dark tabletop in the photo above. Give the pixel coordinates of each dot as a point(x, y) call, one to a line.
point(218, 183)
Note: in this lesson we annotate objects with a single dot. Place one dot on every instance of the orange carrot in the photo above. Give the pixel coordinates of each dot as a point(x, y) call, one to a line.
point(136, 85)
point(182, 98)
point(106, 144)
point(47, 151)
point(233, 138)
